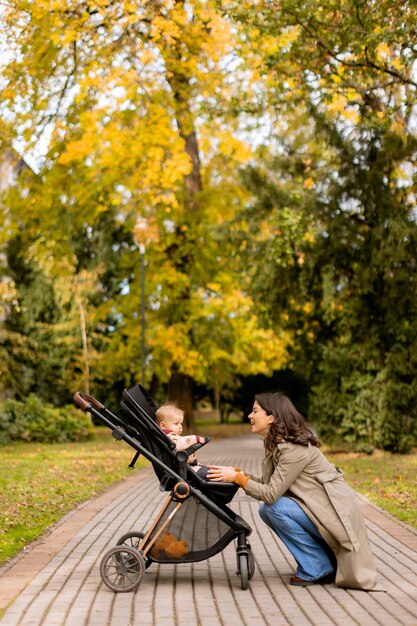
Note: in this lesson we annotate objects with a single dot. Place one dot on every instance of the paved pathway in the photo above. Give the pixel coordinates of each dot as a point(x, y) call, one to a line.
point(58, 583)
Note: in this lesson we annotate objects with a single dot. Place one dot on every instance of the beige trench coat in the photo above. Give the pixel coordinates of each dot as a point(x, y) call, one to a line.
point(304, 474)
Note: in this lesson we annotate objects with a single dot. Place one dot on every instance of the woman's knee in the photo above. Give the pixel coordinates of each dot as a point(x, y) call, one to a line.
point(278, 515)
point(264, 512)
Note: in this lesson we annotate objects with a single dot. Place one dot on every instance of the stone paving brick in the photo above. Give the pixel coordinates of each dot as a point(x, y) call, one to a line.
point(58, 583)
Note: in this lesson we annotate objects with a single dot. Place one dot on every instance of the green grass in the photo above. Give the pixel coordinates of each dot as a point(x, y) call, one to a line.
point(40, 483)
point(388, 480)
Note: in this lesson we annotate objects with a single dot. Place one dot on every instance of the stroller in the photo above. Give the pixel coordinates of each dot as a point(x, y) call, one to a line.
point(194, 522)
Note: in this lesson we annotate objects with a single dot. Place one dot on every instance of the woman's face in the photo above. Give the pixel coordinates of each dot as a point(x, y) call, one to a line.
point(260, 420)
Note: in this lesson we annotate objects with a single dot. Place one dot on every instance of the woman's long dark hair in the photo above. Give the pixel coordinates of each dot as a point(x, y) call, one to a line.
point(288, 424)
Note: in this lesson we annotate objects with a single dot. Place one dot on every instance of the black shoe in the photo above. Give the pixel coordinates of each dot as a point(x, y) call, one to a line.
point(327, 579)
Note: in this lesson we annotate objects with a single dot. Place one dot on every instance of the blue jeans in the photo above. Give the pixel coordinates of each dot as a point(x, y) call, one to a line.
point(287, 519)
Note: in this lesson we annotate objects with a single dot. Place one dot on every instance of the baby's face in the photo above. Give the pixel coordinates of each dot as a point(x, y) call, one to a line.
point(174, 424)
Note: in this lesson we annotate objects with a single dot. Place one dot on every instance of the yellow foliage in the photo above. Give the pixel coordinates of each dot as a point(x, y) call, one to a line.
point(8, 291)
point(226, 335)
point(167, 198)
point(132, 18)
point(125, 154)
point(288, 36)
point(130, 7)
point(179, 15)
point(7, 93)
point(401, 174)
point(269, 44)
point(233, 147)
point(352, 95)
point(383, 51)
point(397, 63)
point(78, 150)
point(69, 36)
point(166, 29)
point(351, 115)
point(338, 103)
point(172, 345)
point(147, 56)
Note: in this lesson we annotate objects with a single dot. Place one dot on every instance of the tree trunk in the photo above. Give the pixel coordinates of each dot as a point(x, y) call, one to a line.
point(154, 386)
point(85, 346)
point(180, 385)
point(180, 390)
point(217, 399)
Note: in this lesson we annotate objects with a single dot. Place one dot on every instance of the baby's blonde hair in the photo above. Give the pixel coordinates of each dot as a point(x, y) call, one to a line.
point(168, 409)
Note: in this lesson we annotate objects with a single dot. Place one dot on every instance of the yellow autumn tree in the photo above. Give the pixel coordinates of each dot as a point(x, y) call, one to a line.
point(128, 109)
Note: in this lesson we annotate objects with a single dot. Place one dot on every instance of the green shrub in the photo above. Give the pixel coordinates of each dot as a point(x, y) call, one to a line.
point(367, 410)
point(396, 427)
point(34, 420)
point(9, 429)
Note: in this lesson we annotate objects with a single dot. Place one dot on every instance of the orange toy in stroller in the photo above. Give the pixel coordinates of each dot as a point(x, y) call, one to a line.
point(194, 522)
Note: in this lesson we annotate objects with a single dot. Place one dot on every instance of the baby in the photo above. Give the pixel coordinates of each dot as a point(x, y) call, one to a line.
point(170, 419)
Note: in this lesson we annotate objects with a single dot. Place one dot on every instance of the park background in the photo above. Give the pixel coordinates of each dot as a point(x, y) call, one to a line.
point(214, 199)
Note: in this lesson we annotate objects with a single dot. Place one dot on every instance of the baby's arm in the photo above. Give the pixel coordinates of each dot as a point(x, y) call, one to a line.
point(182, 443)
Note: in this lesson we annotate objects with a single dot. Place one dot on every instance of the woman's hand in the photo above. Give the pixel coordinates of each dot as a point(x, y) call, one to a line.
point(222, 473)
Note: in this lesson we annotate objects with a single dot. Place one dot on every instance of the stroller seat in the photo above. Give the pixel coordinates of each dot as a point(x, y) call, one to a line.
point(140, 411)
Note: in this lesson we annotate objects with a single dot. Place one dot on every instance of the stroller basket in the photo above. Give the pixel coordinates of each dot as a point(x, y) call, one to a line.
point(194, 522)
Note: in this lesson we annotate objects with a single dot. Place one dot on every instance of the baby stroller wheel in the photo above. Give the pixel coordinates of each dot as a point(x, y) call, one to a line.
point(245, 565)
point(122, 569)
point(251, 563)
point(132, 540)
point(243, 570)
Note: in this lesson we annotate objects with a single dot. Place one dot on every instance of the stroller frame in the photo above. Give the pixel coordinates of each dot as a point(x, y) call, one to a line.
point(191, 497)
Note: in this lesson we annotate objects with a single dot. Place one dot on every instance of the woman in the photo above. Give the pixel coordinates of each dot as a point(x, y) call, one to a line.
point(305, 499)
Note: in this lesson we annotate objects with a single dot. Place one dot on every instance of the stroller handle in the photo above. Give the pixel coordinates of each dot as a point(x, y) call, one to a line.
point(85, 401)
